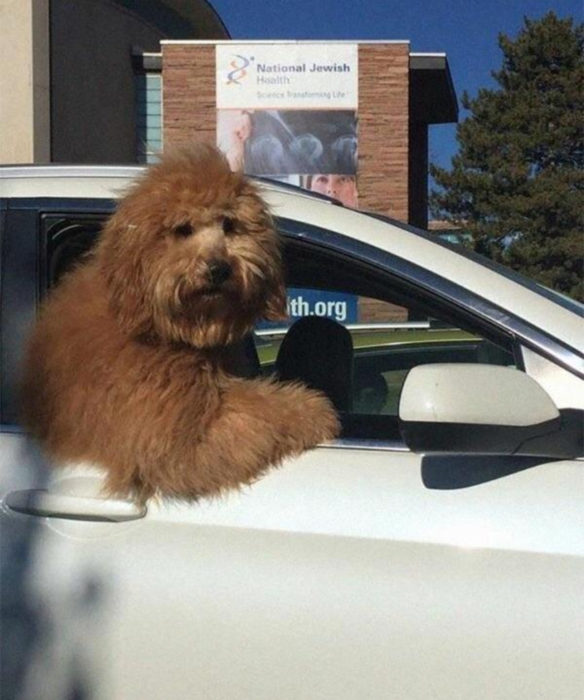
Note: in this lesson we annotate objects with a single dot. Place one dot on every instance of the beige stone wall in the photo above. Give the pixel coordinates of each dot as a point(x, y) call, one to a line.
point(188, 79)
point(24, 81)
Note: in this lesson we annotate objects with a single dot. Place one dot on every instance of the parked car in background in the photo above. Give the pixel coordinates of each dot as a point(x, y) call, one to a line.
point(435, 550)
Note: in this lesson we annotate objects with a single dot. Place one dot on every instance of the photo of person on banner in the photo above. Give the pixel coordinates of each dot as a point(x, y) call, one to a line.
point(234, 127)
point(341, 187)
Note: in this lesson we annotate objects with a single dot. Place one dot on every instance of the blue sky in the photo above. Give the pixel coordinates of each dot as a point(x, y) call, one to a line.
point(466, 30)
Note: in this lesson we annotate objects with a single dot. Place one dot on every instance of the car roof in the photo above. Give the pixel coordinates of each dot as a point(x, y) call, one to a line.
point(87, 181)
point(98, 181)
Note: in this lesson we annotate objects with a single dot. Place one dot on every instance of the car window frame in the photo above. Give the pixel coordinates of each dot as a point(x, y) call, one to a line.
point(470, 254)
point(478, 312)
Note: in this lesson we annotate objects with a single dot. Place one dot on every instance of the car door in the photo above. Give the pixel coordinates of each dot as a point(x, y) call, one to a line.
point(359, 569)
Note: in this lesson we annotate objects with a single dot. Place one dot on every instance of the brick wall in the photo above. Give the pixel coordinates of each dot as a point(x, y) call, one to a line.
point(383, 128)
point(188, 84)
point(188, 93)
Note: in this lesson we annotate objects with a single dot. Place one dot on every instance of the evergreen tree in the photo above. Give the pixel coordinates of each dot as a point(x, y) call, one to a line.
point(517, 183)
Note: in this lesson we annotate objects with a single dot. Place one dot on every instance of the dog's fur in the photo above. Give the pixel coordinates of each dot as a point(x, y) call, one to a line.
point(131, 364)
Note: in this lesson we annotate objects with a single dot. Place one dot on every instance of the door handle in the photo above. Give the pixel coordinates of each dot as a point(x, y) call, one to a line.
point(44, 504)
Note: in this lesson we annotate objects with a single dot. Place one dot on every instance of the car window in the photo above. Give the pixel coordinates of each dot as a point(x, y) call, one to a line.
point(66, 239)
point(391, 331)
point(388, 340)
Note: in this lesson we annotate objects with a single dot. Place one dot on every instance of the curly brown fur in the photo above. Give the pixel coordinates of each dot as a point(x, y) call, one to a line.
point(130, 365)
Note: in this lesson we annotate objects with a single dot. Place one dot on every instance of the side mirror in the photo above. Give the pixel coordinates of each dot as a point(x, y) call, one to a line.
point(479, 409)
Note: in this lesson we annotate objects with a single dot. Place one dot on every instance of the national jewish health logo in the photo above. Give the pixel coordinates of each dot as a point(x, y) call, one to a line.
point(239, 65)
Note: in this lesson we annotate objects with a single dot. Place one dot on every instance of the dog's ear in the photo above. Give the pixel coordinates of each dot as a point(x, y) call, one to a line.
point(258, 218)
point(123, 271)
point(276, 308)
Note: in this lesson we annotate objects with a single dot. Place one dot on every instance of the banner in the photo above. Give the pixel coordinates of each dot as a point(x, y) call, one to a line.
point(289, 112)
point(338, 306)
point(287, 76)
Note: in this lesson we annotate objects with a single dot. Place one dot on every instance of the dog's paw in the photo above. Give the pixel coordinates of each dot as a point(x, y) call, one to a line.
point(317, 421)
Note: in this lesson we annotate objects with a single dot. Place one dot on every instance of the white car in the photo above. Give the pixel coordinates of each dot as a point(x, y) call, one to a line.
point(436, 550)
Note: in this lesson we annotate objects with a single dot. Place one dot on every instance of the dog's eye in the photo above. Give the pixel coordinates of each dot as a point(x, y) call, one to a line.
point(183, 231)
point(228, 225)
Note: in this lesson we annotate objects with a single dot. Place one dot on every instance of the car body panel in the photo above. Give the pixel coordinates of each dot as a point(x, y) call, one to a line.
point(333, 580)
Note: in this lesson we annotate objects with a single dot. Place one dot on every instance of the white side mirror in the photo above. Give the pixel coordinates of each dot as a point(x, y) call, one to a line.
point(474, 408)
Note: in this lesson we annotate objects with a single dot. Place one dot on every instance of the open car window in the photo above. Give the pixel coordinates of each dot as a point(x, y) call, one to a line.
point(392, 329)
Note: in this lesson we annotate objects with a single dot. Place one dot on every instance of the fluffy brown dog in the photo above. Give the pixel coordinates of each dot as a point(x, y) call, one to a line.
point(131, 363)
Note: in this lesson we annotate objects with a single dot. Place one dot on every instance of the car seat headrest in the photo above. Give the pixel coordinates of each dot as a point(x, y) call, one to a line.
point(319, 352)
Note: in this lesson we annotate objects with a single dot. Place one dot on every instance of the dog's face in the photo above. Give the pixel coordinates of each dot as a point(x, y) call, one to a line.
point(191, 254)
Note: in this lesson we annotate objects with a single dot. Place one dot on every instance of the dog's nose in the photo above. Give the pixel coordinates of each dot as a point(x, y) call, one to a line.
point(219, 272)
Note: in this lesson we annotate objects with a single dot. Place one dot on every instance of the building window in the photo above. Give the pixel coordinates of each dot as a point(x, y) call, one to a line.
point(148, 116)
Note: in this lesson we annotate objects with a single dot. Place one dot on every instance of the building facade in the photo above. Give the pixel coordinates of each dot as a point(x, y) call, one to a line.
point(72, 83)
point(364, 117)
point(116, 81)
